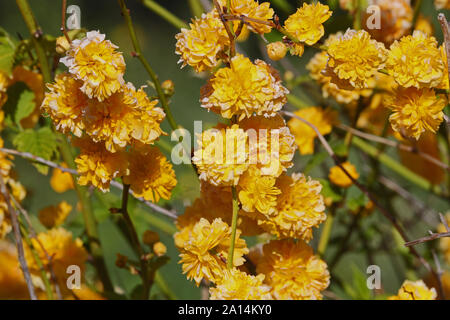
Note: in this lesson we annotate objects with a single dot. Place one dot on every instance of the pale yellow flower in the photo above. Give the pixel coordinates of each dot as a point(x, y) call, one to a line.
point(95, 62)
point(61, 181)
point(201, 45)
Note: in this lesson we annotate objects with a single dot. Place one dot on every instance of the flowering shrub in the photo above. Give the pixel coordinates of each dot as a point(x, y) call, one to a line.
point(292, 177)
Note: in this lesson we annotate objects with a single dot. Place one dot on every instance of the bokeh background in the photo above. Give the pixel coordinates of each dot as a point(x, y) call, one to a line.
point(157, 38)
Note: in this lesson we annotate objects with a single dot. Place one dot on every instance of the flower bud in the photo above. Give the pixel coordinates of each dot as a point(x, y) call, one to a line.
point(159, 249)
point(121, 261)
point(276, 50)
point(168, 87)
point(297, 49)
point(62, 45)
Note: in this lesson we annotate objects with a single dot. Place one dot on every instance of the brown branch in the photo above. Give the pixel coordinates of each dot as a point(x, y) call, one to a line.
point(63, 20)
point(446, 32)
point(431, 237)
point(227, 29)
point(394, 144)
point(385, 212)
point(18, 236)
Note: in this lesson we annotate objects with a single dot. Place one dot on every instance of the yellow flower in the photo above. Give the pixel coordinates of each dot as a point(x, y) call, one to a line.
point(254, 10)
point(257, 192)
point(97, 166)
point(63, 250)
point(306, 24)
point(444, 243)
point(221, 155)
point(271, 146)
point(65, 103)
point(395, 20)
point(293, 271)
point(299, 208)
point(415, 111)
point(201, 45)
point(54, 216)
point(416, 290)
point(238, 285)
point(12, 282)
point(96, 62)
point(444, 80)
point(424, 24)
point(416, 61)
point(339, 178)
point(123, 118)
point(304, 134)
point(354, 59)
point(244, 88)
point(205, 253)
point(151, 175)
point(61, 181)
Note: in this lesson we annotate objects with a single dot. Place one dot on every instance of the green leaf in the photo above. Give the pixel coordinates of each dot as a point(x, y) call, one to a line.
point(315, 161)
point(328, 192)
point(356, 198)
point(25, 106)
point(358, 290)
point(7, 50)
point(14, 94)
point(40, 142)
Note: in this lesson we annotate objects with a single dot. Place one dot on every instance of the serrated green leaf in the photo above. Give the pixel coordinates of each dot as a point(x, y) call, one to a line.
point(14, 93)
point(25, 106)
point(40, 142)
point(7, 50)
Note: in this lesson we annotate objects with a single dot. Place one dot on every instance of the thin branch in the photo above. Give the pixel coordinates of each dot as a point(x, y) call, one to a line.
point(40, 160)
point(27, 155)
point(18, 236)
point(33, 235)
point(444, 222)
point(394, 144)
point(431, 237)
point(440, 272)
point(63, 20)
point(386, 213)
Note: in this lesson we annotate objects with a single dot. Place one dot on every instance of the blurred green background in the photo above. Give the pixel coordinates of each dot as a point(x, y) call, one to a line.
point(157, 38)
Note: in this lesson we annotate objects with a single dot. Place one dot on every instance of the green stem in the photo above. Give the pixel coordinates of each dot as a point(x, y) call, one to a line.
point(397, 167)
point(196, 8)
point(36, 37)
point(325, 235)
point(357, 20)
point(296, 102)
point(165, 14)
point(88, 217)
point(233, 227)
point(37, 259)
point(164, 287)
point(417, 6)
point(136, 243)
point(138, 53)
point(91, 228)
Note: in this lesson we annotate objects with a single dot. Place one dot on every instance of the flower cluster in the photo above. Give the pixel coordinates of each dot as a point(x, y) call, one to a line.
point(415, 290)
point(242, 165)
point(114, 123)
